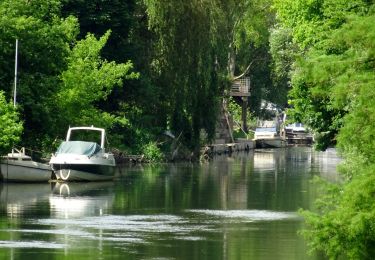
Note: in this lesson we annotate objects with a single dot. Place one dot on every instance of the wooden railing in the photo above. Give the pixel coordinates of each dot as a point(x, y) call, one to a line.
point(241, 87)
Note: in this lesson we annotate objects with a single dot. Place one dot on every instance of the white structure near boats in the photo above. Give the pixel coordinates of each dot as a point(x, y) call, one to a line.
point(19, 167)
point(297, 134)
point(266, 135)
point(80, 160)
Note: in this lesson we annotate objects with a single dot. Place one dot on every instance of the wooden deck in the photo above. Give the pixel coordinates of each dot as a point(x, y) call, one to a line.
point(240, 88)
point(227, 148)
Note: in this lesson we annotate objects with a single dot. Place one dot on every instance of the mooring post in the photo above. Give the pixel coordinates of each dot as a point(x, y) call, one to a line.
point(244, 113)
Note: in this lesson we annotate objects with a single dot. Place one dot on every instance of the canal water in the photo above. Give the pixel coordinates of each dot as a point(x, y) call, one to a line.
point(242, 206)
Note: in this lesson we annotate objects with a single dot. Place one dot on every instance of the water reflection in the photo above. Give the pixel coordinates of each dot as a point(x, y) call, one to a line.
point(18, 199)
point(72, 200)
point(238, 207)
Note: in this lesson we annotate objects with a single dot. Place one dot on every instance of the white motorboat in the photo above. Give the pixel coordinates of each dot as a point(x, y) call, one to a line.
point(267, 137)
point(19, 167)
point(78, 160)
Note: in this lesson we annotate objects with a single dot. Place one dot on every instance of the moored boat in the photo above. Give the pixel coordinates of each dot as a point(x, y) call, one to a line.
point(79, 160)
point(267, 137)
point(19, 167)
point(297, 134)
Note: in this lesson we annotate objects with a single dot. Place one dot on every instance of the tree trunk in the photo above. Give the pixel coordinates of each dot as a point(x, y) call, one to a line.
point(231, 60)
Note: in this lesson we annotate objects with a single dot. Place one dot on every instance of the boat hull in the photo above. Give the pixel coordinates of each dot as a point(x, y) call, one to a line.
point(270, 143)
point(83, 172)
point(24, 171)
point(83, 160)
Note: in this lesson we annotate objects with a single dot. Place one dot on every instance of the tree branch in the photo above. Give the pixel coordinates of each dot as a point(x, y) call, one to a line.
point(247, 68)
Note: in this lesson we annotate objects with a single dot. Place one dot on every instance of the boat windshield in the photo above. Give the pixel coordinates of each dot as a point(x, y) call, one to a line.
point(265, 129)
point(78, 147)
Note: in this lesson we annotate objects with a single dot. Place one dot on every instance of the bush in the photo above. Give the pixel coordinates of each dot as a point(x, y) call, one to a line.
point(10, 126)
point(345, 225)
point(152, 152)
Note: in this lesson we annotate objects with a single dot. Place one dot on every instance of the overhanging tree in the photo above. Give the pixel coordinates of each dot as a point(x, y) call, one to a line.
point(333, 90)
point(187, 64)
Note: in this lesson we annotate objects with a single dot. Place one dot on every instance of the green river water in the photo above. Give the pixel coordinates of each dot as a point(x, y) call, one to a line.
point(242, 206)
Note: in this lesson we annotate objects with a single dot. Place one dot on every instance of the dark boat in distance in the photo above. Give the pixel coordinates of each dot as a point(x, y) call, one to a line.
point(78, 160)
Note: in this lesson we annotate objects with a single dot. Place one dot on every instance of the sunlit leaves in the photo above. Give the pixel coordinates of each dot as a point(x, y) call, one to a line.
point(333, 91)
point(10, 125)
point(90, 79)
point(347, 225)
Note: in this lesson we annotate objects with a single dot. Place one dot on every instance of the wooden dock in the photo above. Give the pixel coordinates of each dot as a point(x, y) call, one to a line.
point(121, 157)
point(228, 148)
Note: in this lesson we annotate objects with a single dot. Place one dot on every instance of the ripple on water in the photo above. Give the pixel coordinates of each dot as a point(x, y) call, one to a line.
point(30, 244)
point(249, 215)
point(141, 229)
point(134, 229)
point(134, 223)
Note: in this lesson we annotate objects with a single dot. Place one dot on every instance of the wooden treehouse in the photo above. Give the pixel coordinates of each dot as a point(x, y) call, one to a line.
point(224, 131)
point(241, 88)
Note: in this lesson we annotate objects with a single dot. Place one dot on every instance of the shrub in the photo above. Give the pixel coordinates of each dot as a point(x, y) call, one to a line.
point(152, 152)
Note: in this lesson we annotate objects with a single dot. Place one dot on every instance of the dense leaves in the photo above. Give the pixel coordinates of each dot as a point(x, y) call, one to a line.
point(200, 47)
point(283, 52)
point(73, 71)
point(10, 127)
point(44, 42)
point(324, 70)
point(345, 226)
point(62, 80)
point(333, 91)
point(185, 61)
point(87, 80)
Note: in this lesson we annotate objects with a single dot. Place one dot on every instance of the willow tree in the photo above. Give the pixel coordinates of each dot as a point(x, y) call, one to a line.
point(197, 47)
point(186, 63)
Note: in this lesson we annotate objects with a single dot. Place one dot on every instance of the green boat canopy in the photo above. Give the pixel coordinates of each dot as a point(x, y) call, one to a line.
point(78, 147)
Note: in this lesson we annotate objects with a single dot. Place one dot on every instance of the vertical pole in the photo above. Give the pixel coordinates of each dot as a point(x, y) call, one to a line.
point(15, 74)
point(244, 113)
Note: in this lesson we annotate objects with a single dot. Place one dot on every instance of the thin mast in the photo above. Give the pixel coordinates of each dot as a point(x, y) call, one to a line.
point(15, 74)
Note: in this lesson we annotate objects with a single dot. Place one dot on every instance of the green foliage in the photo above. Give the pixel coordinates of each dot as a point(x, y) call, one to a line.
point(312, 21)
point(235, 111)
point(44, 42)
point(10, 127)
point(58, 75)
point(185, 64)
point(199, 46)
point(245, 33)
point(152, 152)
point(140, 104)
point(283, 52)
point(68, 68)
point(326, 77)
point(346, 224)
point(333, 92)
point(87, 80)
